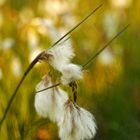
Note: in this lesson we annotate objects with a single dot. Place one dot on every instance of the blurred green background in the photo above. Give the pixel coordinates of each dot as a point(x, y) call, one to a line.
point(111, 86)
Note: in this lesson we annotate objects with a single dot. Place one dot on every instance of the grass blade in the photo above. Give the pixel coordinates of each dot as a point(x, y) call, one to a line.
point(105, 46)
point(76, 26)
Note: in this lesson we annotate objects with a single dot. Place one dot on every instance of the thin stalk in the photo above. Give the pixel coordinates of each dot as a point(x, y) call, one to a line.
point(55, 85)
point(63, 41)
point(36, 60)
point(76, 26)
point(105, 46)
point(18, 86)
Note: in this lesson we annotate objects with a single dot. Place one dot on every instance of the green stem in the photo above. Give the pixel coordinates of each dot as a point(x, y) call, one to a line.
point(105, 46)
point(18, 86)
point(76, 26)
point(55, 85)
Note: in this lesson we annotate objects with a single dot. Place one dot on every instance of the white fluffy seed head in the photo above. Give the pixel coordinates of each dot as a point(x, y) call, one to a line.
point(71, 72)
point(61, 55)
point(49, 103)
point(76, 123)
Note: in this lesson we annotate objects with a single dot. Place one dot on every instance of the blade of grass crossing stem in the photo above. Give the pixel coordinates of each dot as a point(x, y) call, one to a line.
point(55, 85)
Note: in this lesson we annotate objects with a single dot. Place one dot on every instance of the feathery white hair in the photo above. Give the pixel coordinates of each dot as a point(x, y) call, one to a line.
point(61, 54)
point(49, 103)
point(71, 72)
point(60, 57)
point(76, 123)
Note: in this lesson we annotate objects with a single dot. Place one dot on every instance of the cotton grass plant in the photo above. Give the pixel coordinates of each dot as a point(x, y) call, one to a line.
point(53, 102)
point(74, 122)
point(41, 56)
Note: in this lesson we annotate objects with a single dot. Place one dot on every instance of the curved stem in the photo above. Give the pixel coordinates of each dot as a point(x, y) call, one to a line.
point(18, 86)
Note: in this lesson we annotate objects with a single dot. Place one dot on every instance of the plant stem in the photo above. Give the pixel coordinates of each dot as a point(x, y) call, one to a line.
point(55, 85)
point(105, 46)
point(18, 86)
point(76, 26)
